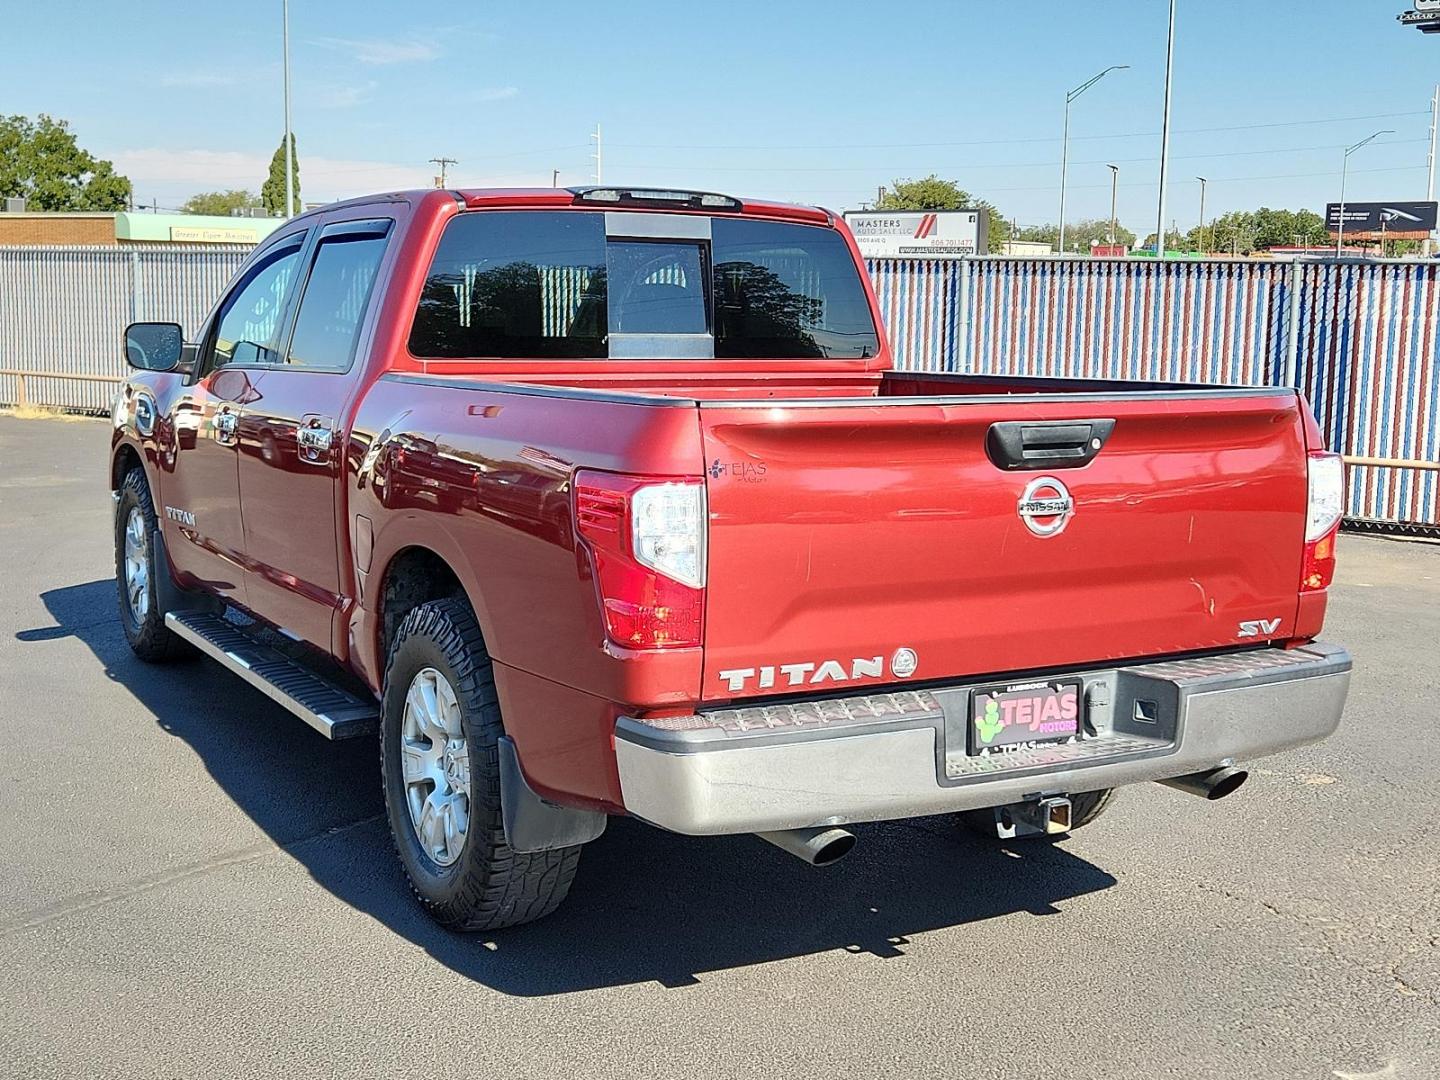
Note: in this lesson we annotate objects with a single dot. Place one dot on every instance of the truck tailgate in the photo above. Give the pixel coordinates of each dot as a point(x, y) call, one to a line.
point(846, 532)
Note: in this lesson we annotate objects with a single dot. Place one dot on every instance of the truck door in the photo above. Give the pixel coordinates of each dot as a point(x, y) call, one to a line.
point(291, 438)
point(200, 487)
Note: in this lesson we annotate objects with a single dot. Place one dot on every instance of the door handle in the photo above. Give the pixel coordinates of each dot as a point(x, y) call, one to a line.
point(314, 440)
point(225, 425)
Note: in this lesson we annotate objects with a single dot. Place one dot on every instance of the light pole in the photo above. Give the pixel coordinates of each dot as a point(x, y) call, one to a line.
point(1344, 175)
point(1165, 139)
point(289, 163)
point(1114, 193)
point(1203, 182)
point(1434, 132)
point(1065, 141)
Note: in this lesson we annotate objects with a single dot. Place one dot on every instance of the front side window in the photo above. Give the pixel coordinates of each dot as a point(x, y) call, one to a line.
point(533, 284)
point(333, 304)
point(250, 322)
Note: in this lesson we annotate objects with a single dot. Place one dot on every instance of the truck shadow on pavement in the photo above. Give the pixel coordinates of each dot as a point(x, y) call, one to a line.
point(647, 906)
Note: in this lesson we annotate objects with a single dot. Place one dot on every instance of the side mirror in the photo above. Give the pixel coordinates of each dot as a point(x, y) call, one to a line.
point(154, 346)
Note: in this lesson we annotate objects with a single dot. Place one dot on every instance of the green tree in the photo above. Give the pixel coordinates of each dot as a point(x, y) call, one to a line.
point(272, 193)
point(221, 202)
point(933, 193)
point(41, 162)
point(1079, 235)
point(1241, 232)
point(1174, 241)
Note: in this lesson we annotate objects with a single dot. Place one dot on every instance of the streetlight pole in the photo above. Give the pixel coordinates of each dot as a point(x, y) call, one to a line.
point(289, 160)
point(1203, 182)
point(1430, 190)
point(1344, 175)
point(1065, 141)
point(1165, 138)
point(1114, 194)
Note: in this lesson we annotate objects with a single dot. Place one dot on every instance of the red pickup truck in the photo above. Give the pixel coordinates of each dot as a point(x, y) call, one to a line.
point(611, 501)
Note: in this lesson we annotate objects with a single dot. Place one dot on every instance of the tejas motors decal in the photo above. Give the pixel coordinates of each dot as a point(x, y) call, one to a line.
point(782, 676)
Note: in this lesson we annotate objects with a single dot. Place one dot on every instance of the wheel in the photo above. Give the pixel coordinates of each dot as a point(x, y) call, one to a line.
point(1085, 807)
point(439, 758)
point(137, 574)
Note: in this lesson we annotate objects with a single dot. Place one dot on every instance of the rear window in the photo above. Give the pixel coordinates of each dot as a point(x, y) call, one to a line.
point(550, 284)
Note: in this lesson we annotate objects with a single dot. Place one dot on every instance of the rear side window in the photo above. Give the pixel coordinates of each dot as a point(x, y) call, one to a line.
point(334, 303)
point(551, 284)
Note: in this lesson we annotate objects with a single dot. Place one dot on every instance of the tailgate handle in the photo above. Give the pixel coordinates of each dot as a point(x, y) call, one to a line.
point(1047, 444)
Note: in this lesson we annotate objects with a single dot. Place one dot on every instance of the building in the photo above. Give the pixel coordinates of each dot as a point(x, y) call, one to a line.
point(131, 229)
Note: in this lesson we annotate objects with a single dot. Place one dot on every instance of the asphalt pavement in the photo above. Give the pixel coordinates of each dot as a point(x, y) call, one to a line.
point(195, 884)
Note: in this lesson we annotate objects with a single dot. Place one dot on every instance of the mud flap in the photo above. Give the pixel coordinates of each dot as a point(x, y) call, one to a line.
point(531, 823)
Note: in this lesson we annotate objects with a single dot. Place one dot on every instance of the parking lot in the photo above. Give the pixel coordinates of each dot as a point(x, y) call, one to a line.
point(196, 883)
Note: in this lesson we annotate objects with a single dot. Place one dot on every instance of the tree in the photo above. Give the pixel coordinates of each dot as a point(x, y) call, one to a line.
point(41, 162)
point(272, 193)
point(1174, 241)
point(933, 193)
point(1240, 232)
point(221, 202)
point(1079, 235)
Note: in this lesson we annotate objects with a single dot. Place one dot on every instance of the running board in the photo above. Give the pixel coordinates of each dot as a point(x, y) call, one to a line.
point(333, 712)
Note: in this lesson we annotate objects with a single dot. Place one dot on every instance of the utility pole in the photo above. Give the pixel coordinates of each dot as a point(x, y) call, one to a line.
point(289, 159)
point(1165, 138)
point(1344, 175)
point(879, 196)
point(598, 155)
point(443, 162)
point(1203, 182)
point(554, 177)
point(1114, 197)
point(1430, 190)
point(1065, 140)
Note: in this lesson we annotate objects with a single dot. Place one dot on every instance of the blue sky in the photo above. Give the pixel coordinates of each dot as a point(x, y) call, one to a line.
point(815, 102)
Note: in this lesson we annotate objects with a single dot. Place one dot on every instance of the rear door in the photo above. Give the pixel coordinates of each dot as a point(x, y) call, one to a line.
point(204, 532)
point(859, 544)
point(292, 439)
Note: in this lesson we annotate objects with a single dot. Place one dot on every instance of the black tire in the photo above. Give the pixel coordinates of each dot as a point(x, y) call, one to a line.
point(146, 632)
point(488, 886)
point(1085, 807)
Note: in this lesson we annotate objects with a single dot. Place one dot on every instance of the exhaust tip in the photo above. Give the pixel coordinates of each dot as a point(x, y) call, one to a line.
point(837, 844)
point(1227, 784)
point(1212, 785)
point(823, 846)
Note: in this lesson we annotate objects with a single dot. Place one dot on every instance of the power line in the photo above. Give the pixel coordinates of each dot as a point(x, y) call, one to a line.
point(1015, 142)
point(1003, 164)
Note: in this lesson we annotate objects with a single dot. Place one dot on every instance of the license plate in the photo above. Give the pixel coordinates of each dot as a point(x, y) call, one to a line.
point(1017, 715)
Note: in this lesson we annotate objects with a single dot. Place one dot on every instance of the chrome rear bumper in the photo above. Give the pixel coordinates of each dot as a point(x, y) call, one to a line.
point(902, 754)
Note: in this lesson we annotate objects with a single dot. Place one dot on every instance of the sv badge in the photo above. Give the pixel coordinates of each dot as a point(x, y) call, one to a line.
point(1259, 628)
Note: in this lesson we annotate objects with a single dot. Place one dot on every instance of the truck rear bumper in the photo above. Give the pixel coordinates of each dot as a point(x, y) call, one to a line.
point(902, 754)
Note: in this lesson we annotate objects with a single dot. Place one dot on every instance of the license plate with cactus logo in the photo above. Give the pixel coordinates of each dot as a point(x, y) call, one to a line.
point(1018, 715)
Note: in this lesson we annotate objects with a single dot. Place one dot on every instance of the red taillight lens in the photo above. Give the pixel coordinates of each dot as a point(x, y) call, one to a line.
point(1326, 506)
point(636, 529)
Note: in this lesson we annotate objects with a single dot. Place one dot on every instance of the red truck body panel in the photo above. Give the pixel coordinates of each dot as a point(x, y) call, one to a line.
point(852, 513)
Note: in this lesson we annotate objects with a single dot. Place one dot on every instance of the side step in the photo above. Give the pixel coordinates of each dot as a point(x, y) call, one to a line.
point(333, 712)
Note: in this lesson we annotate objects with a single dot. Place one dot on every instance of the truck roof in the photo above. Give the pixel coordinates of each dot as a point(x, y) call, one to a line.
point(630, 198)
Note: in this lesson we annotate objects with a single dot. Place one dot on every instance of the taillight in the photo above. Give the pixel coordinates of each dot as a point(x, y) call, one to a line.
point(1326, 506)
point(647, 540)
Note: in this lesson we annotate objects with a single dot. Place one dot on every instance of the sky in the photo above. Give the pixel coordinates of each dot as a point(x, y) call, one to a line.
point(810, 102)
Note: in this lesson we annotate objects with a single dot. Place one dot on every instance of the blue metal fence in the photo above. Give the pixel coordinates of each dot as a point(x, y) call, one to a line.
point(1359, 339)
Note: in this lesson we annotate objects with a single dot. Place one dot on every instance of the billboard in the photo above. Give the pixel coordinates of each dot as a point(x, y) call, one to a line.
point(1393, 220)
point(920, 234)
